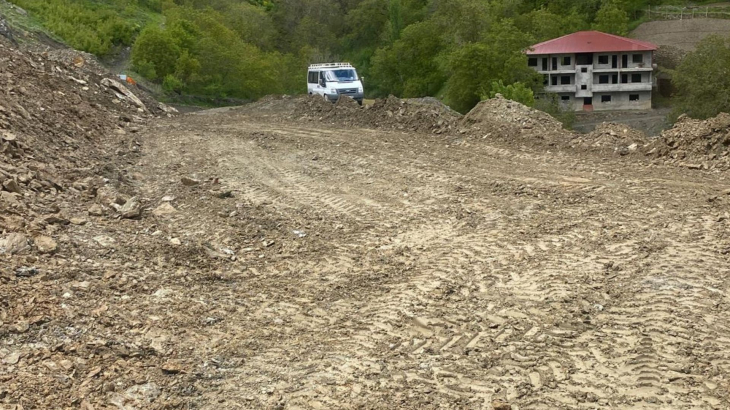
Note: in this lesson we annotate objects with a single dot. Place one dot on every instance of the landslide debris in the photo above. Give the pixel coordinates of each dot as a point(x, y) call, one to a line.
point(697, 144)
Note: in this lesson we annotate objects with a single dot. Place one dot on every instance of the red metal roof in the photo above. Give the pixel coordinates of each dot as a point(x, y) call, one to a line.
point(590, 42)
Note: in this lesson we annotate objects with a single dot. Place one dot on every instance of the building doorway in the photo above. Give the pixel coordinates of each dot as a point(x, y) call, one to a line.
point(614, 63)
point(588, 104)
point(624, 61)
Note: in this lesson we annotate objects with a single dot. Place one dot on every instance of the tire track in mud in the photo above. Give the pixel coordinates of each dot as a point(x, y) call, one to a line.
point(501, 274)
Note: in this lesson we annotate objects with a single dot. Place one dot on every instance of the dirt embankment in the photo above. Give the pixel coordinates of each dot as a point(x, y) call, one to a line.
point(691, 143)
point(681, 34)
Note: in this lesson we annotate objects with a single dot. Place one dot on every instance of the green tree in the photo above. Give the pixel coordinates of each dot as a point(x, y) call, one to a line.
point(611, 18)
point(702, 80)
point(155, 53)
point(516, 92)
point(409, 68)
point(499, 56)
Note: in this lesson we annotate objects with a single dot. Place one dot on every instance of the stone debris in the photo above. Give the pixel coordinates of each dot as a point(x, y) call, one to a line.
point(13, 244)
point(189, 181)
point(123, 92)
point(695, 144)
point(45, 244)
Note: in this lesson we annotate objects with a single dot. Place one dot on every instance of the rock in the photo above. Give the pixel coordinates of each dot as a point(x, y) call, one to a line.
point(224, 194)
point(12, 358)
point(80, 285)
point(164, 209)
point(13, 244)
point(11, 185)
point(105, 241)
point(25, 272)
point(171, 368)
point(143, 394)
point(124, 91)
point(175, 241)
point(10, 199)
point(131, 209)
point(78, 221)
point(189, 181)
point(501, 405)
point(168, 198)
point(108, 196)
point(45, 244)
point(56, 219)
point(96, 210)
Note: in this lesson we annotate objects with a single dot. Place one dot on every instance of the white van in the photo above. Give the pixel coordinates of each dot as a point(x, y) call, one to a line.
point(332, 80)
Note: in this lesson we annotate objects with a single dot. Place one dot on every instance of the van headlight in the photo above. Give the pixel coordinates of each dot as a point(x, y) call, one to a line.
point(359, 90)
point(333, 91)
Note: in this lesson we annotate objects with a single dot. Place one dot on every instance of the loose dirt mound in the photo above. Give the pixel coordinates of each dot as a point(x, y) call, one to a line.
point(696, 143)
point(391, 113)
point(502, 118)
point(618, 137)
point(53, 118)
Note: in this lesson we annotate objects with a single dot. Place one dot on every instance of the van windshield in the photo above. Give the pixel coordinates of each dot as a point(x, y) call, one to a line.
point(342, 75)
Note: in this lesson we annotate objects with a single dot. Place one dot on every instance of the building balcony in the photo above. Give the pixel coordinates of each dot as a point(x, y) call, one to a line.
point(608, 88)
point(622, 70)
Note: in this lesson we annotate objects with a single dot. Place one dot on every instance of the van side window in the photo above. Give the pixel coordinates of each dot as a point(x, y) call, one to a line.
point(312, 77)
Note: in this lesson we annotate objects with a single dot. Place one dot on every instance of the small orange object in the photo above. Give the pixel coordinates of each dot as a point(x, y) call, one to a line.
point(130, 80)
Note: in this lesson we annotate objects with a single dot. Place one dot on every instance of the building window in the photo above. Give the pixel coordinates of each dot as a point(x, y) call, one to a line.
point(635, 78)
point(532, 62)
point(545, 80)
point(555, 80)
point(603, 60)
point(605, 98)
point(615, 79)
point(638, 58)
point(565, 79)
point(566, 60)
point(584, 70)
point(603, 79)
point(583, 87)
point(624, 78)
point(565, 98)
point(633, 97)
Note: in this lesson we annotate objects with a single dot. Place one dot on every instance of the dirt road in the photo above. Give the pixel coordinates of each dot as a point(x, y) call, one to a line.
point(285, 262)
point(393, 270)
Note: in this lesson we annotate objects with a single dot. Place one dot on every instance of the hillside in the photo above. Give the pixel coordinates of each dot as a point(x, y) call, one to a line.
point(683, 34)
point(248, 49)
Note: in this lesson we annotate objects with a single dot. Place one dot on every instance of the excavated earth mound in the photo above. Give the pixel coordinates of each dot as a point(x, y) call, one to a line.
point(391, 113)
point(501, 118)
point(620, 138)
point(699, 144)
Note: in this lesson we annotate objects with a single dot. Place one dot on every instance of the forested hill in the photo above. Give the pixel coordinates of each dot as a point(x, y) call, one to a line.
point(460, 50)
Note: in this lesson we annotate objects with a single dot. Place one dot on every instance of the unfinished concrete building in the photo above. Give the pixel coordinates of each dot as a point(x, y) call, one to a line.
point(591, 70)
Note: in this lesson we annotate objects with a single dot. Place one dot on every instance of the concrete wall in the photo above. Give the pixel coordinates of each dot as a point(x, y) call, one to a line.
point(622, 101)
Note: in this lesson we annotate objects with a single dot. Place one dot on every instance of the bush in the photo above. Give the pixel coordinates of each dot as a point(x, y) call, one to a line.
point(515, 92)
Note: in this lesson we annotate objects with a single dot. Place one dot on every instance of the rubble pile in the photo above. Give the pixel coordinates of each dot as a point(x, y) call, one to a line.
point(67, 134)
point(698, 144)
point(618, 137)
point(54, 123)
point(391, 113)
point(505, 119)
